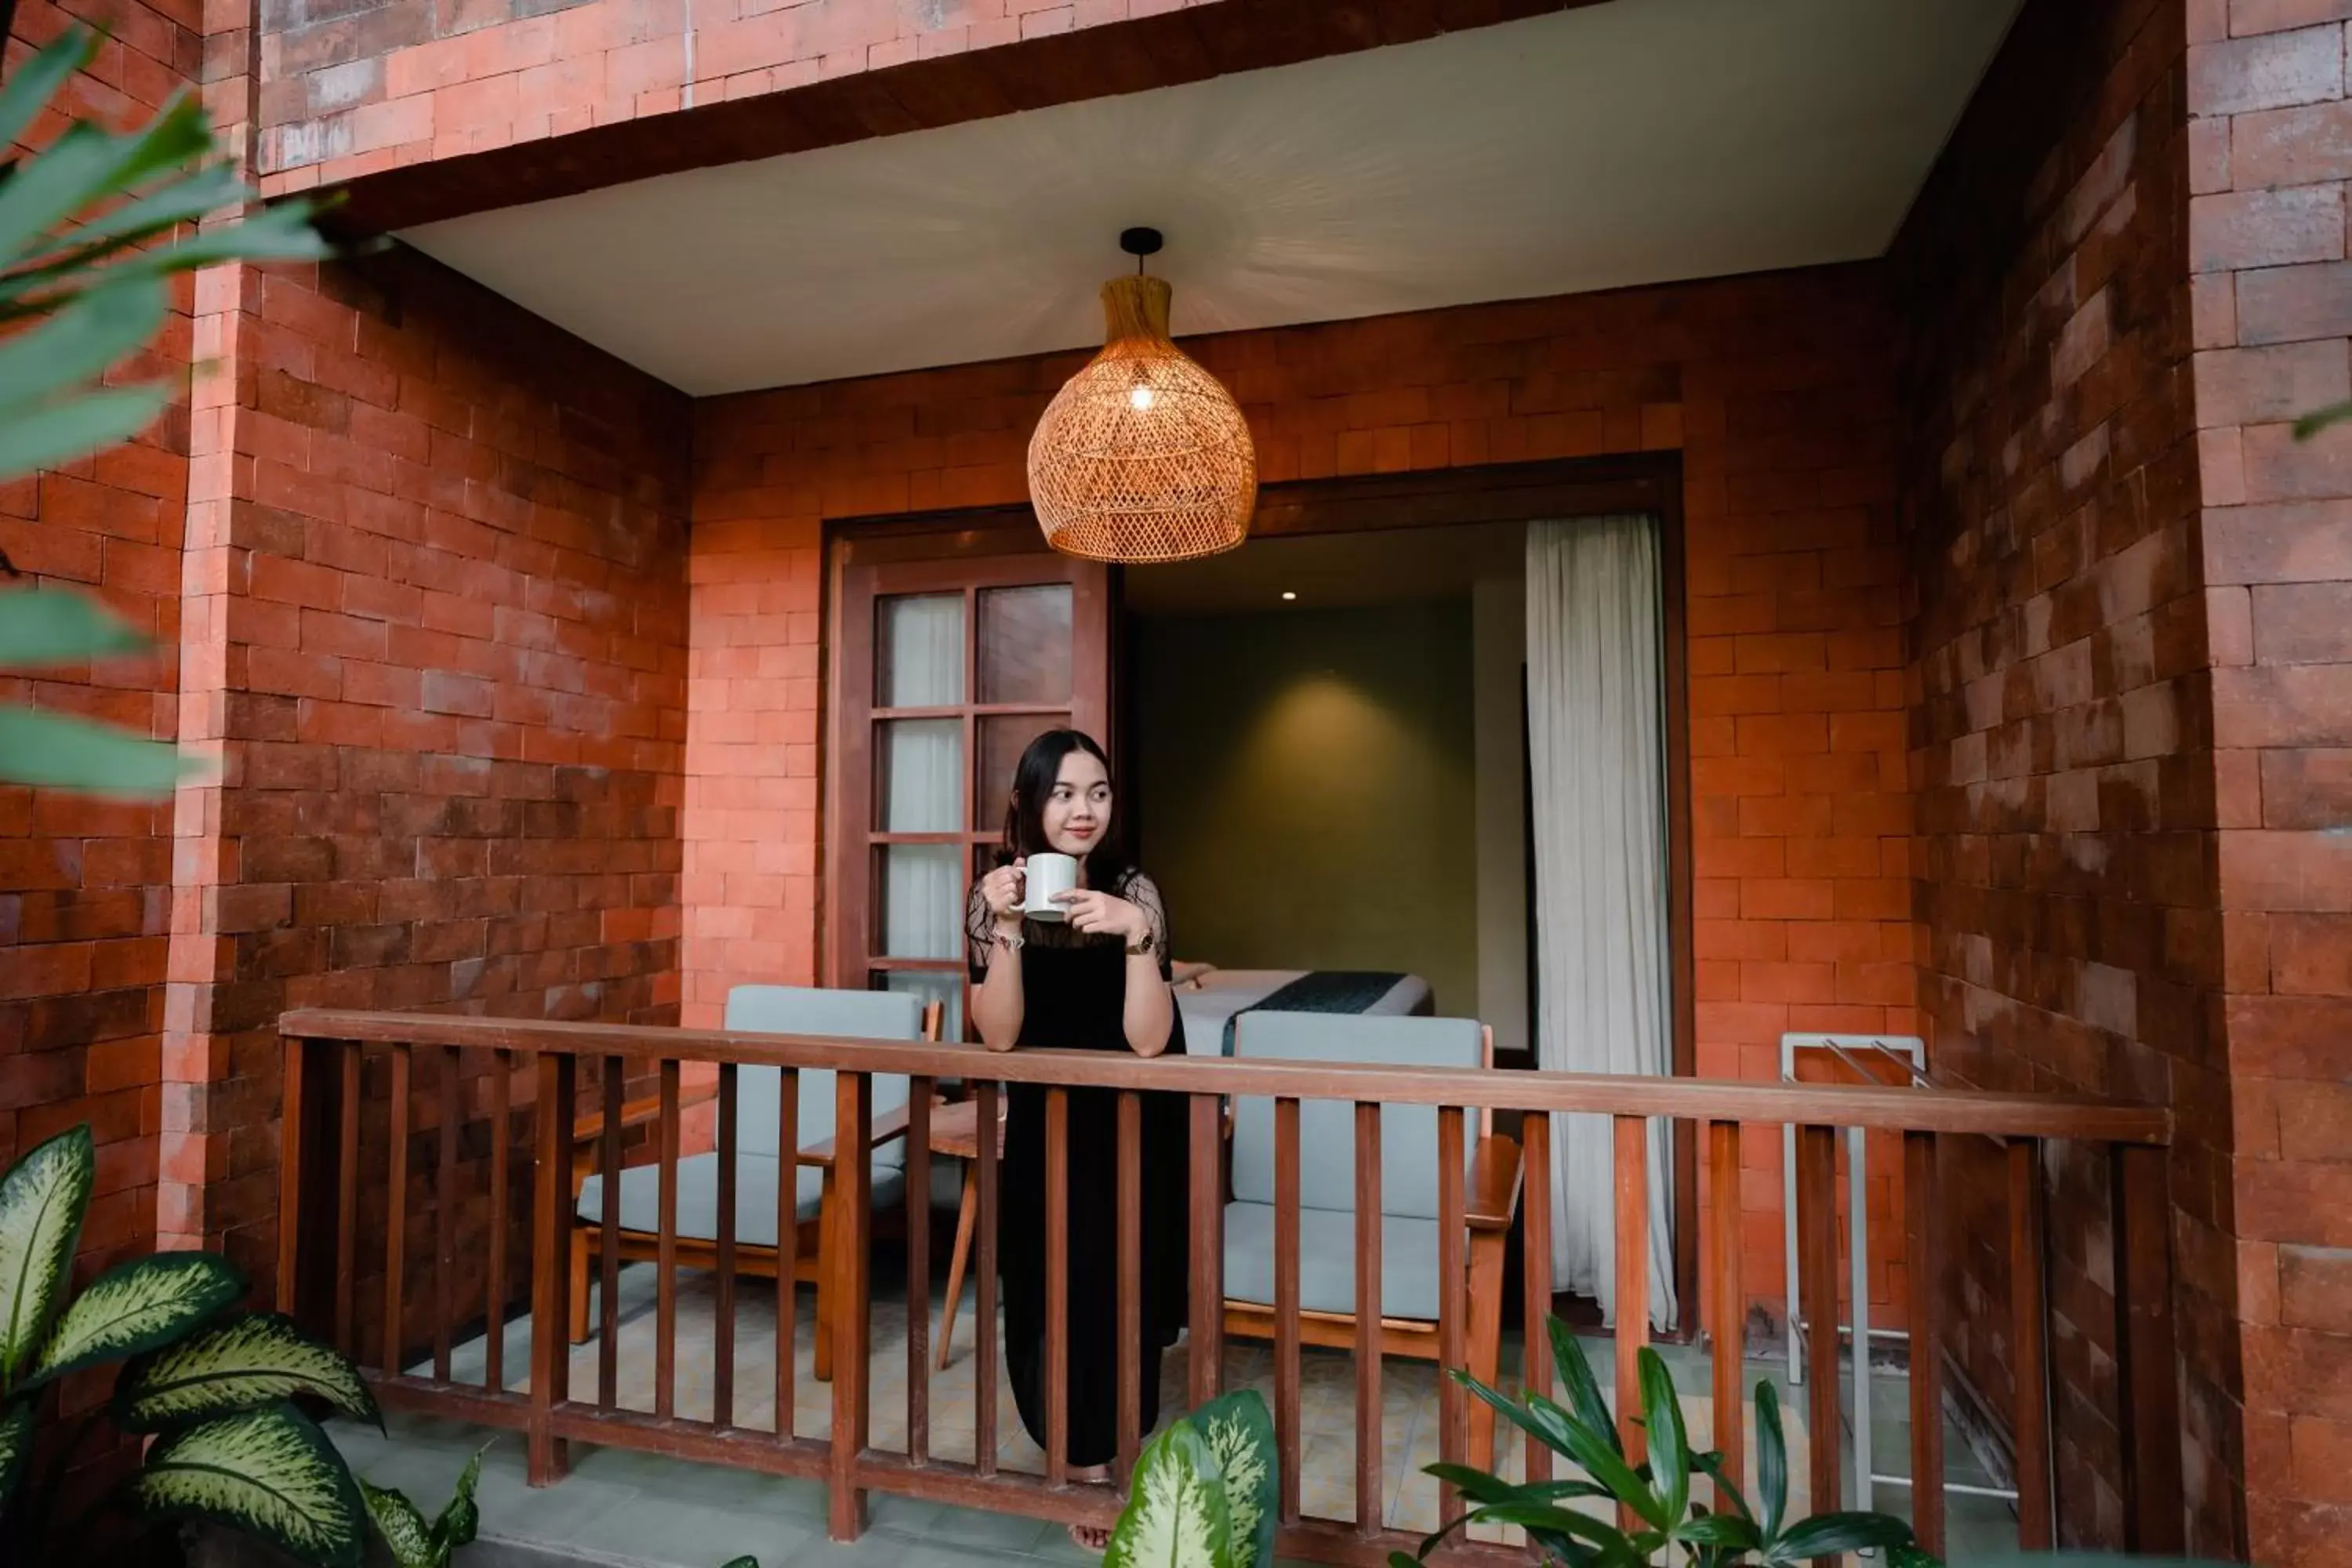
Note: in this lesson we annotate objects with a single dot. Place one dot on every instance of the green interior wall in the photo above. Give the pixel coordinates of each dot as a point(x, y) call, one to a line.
point(1305, 783)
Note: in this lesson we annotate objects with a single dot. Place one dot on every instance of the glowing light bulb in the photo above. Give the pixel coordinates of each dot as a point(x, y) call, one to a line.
point(1288, 595)
point(1140, 397)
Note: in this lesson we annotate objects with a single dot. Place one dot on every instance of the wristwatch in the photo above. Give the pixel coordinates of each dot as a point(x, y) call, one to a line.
point(1142, 945)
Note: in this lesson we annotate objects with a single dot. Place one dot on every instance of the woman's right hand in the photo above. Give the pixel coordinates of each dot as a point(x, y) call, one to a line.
point(1002, 890)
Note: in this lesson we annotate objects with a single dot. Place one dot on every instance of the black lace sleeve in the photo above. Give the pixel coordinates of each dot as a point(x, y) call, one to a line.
point(979, 934)
point(1144, 894)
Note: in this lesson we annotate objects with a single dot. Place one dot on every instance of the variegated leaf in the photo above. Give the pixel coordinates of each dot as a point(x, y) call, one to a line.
point(16, 1447)
point(1176, 1515)
point(236, 1365)
point(1239, 1431)
point(404, 1530)
point(462, 1518)
point(137, 1306)
point(42, 1200)
point(269, 1473)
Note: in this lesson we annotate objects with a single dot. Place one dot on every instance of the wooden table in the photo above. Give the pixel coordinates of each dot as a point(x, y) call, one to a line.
point(955, 1133)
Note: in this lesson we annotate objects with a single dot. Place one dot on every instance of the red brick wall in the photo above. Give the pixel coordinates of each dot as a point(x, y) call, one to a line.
point(1778, 390)
point(2069, 937)
point(440, 549)
point(85, 884)
point(351, 87)
point(2272, 291)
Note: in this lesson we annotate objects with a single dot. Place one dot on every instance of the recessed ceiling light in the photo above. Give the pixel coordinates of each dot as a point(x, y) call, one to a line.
point(1286, 594)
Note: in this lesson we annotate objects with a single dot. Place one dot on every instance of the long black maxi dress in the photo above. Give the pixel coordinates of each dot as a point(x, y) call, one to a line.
point(1074, 991)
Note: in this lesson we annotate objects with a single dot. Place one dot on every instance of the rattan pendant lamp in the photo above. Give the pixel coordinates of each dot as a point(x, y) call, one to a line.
point(1142, 455)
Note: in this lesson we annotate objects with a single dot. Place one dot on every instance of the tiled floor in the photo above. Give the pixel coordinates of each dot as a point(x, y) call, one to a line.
point(620, 1508)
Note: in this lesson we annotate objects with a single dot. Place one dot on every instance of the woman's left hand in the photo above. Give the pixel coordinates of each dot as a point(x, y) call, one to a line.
point(1100, 914)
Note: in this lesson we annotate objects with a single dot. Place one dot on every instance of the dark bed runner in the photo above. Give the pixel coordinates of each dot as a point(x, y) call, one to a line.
point(1321, 991)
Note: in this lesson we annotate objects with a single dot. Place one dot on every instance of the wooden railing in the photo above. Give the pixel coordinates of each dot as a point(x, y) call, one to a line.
point(477, 1154)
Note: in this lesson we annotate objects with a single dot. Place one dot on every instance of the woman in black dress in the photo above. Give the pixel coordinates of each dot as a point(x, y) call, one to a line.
point(1096, 982)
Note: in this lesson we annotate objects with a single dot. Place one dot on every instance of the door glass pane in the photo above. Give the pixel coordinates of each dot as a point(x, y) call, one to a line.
point(1024, 643)
point(933, 986)
point(919, 775)
point(922, 913)
point(919, 650)
point(1002, 737)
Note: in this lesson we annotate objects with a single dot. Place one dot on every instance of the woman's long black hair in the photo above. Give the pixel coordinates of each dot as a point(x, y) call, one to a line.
point(1032, 784)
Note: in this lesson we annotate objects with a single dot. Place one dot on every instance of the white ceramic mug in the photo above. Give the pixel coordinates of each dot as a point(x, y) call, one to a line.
point(1042, 877)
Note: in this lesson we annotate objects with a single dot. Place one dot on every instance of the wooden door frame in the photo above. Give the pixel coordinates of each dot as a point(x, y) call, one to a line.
point(921, 560)
point(1436, 497)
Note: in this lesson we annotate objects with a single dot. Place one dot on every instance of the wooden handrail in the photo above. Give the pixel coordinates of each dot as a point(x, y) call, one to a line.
point(1706, 1099)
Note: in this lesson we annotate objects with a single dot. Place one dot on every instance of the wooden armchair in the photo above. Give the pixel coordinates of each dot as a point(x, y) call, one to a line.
point(1410, 1283)
point(760, 1165)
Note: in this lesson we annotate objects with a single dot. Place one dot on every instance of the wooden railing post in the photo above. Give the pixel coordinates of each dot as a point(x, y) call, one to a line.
point(920, 1091)
point(1923, 1258)
point(1371, 1447)
point(853, 1173)
point(2154, 1522)
point(1730, 1323)
point(2030, 1336)
point(1287, 1437)
point(551, 1276)
point(986, 1099)
point(306, 1180)
point(1130, 1285)
point(1632, 1144)
point(1817, 1297)
point(1204, 1351)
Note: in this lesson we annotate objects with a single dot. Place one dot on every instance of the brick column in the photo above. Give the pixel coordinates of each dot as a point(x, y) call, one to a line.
point(2271, 151)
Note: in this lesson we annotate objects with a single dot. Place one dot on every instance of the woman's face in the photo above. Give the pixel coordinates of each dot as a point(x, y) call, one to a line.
point(1078, 813)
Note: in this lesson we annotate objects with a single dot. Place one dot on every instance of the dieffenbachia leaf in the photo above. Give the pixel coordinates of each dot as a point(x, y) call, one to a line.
point(42, 1200)
point(269, 1473)
point(45, 627)
point(60, 751)
point(462, 1517)
point(237, 1365)
point(1176, 1515)
point(136, 1307)
point(1239, 1431)
point(16, 1447)
point(404, 1531)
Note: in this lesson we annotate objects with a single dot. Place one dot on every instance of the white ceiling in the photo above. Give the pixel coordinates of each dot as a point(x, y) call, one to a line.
point(1634, 141)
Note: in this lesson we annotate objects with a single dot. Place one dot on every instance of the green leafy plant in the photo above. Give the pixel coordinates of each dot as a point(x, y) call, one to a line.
point(1205, 1494)
point(415, 1543)
point(214, 1388)
point(1657, 1493)
point(92, 229)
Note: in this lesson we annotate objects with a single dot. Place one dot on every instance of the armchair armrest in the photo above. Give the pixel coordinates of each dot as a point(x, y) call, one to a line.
point(587, 1131)
point(889, 1125)
point(1492, 1198)
point(637, 1113)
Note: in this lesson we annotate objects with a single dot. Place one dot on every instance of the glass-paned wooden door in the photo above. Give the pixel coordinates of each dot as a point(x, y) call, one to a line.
point(947, 670)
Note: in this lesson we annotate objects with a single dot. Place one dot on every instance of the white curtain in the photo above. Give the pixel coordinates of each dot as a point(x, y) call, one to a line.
point(1597, 749)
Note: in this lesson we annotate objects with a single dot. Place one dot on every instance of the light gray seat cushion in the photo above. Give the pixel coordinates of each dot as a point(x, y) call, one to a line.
point(697, 1197)
point(777, 1010)
point(1327, 1149)
point(1326, 1260)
